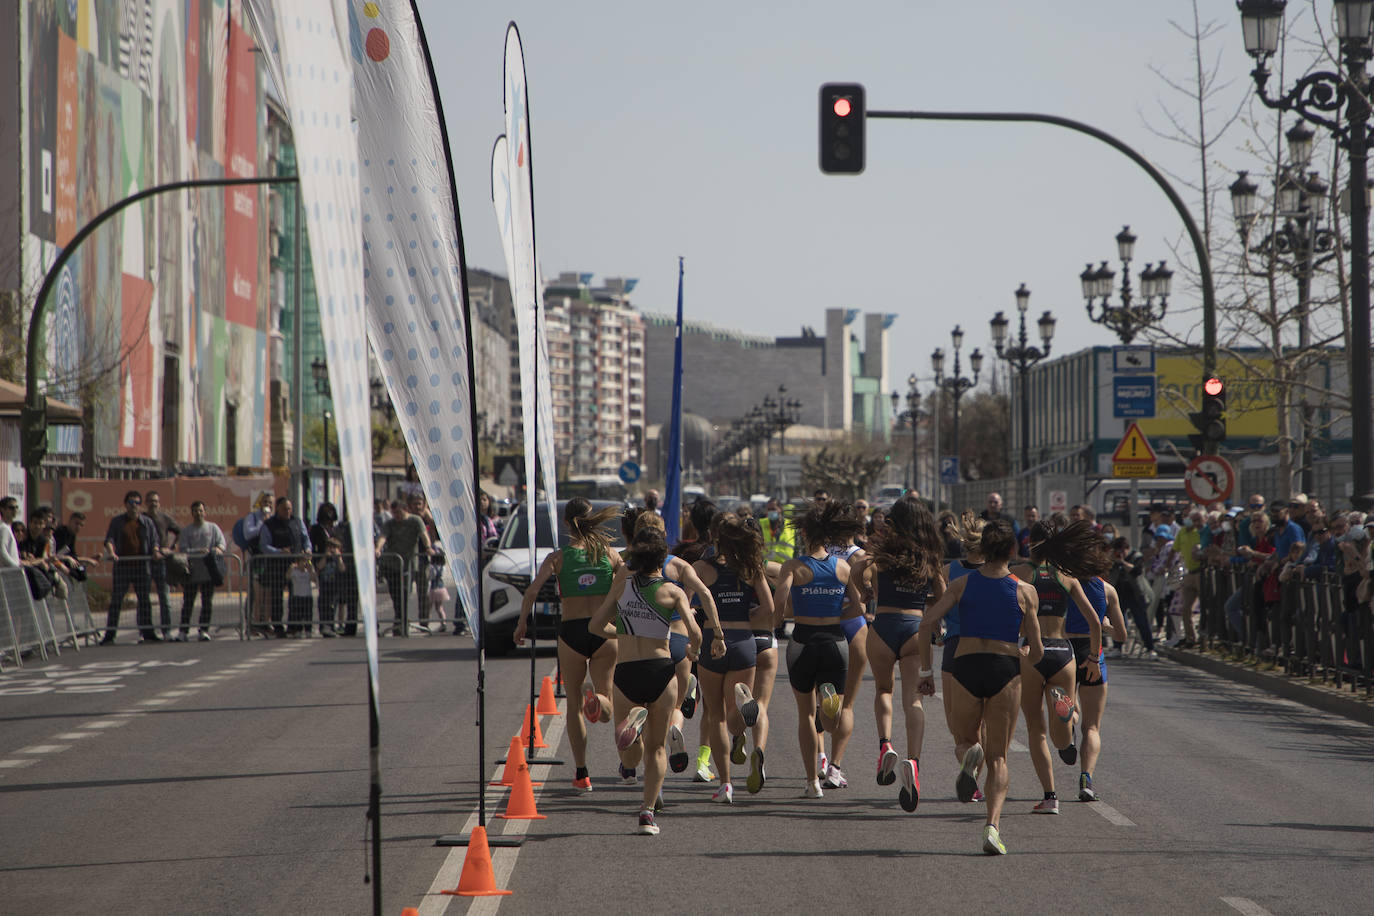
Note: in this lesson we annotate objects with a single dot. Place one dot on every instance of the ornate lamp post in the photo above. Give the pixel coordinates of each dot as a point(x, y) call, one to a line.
point(1301, 243)
point(781, 412)
point(1128, 318)
point(1338, 101)
point(1021, 357)
point(955, 384)
point(910, 415)
point(319, 373)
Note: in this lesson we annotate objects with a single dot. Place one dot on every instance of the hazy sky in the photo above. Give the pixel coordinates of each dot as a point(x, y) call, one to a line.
point(661, 130)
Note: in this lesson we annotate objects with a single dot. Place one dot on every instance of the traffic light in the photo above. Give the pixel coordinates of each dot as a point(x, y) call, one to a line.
point(1210, 421)
point(842, 128)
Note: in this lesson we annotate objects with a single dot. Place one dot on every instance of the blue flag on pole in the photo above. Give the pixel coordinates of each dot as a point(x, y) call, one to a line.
point(672, 490)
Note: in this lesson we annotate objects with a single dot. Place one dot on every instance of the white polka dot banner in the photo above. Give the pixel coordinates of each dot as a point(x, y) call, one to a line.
point(536, 412)
point(413, 274)
point(308, 59)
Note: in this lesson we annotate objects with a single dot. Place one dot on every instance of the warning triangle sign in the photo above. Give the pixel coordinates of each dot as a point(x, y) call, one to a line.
point(1134, 447)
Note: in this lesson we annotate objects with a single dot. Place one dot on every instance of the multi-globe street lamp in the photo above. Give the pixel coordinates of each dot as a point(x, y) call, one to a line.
point(1135, 311)
point(1338, 101)
point(1021, 357)
point(319, 372)
point(1300, 244)
point(781, 412)
point(911, 415)
point(956, 384)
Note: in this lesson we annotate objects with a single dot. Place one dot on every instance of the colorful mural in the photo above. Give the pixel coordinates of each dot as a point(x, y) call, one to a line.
point(121, 95)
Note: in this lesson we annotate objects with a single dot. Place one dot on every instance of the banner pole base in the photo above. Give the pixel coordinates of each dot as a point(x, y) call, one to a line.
point(503, 842)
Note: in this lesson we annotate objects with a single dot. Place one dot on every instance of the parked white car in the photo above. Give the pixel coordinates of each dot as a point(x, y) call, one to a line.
point(887, 495)
point(506, 576)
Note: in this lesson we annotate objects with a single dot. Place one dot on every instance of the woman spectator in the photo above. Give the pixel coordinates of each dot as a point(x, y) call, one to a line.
point(321, 533)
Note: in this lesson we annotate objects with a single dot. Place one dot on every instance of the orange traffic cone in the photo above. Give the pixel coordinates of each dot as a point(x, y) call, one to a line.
point(524, 733)
point(520, 804)
point(548, 706)
point(515, 758)
point(478, 879)
point(410, 911)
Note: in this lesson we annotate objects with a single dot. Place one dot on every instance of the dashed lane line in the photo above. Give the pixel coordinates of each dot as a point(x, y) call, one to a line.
point(43, 749)
point(1246, 906)
point(1111, 814)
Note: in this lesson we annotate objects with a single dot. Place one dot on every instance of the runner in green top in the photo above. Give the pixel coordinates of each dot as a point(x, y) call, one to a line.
point(584, 569)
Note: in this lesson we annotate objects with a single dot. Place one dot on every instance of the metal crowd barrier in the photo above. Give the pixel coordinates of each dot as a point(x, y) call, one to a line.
point(280, 603)
point(227, 600)
point(1312, 631)
point(29, 626)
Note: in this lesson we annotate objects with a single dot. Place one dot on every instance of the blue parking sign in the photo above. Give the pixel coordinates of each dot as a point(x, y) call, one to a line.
point(949, 469)
point(1133, 396)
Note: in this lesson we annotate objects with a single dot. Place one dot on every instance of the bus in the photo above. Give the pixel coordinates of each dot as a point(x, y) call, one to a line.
point(593, 486)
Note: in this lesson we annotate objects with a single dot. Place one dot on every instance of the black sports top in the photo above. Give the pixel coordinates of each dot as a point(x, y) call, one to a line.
point(1054, 597)
point(734, 597)
point(892, 593)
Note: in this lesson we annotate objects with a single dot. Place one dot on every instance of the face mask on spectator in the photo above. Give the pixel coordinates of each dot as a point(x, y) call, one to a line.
point(1187, 523)
point(1226, 526)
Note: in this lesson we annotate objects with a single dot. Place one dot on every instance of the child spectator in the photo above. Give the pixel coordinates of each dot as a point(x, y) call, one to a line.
point(300, 609)
point(438, 594)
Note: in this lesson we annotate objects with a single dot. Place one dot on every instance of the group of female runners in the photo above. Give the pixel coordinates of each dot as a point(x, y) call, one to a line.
point(1022, 639)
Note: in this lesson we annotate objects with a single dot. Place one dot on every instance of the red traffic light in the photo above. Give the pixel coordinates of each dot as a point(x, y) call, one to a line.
point(843, 107)
point(1213, 386)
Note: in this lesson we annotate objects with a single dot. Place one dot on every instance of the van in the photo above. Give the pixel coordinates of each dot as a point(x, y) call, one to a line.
point(1110, 498)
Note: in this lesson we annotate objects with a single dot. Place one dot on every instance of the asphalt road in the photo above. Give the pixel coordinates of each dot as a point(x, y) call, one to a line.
point(231, 777)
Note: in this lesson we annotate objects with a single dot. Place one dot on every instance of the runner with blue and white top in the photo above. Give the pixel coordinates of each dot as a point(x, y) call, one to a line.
point(1092, 697)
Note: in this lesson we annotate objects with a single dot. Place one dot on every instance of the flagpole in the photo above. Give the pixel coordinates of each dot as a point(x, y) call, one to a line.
point(672, 489)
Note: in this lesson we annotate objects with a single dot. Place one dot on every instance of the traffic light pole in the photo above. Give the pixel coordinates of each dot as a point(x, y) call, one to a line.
point(1209, 308)
point(33, 419)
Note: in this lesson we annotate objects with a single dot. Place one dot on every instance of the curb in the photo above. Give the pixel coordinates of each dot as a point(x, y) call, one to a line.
point(1327, 699)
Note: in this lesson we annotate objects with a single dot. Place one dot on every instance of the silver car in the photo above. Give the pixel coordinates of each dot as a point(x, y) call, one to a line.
point(507, 574)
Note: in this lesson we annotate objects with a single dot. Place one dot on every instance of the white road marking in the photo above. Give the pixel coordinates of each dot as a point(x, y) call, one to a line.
point(503, 859)
point(1248, 907)
point(171, 694)
point(74, 736)
point(104, 723)
point(153, 702)
point(43, 749)
point(16, 764)
point(1111, 814)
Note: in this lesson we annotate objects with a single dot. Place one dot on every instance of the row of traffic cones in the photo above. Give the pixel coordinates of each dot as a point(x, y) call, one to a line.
point(478, 878)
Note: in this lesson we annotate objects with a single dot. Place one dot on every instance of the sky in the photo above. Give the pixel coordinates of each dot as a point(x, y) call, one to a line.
point(660, 130)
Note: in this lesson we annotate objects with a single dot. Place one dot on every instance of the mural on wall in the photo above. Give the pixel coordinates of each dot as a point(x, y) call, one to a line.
point(122, 95)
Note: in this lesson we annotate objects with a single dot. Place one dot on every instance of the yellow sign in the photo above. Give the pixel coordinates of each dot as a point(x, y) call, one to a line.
point(1250, 410)
point(1133, 456)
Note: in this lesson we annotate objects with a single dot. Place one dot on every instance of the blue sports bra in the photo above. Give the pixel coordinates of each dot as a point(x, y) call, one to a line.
point(734, 597)
point(823, 596)
point(1096, 591)
point(894, 594)
point(988, 609)
point(957, 570)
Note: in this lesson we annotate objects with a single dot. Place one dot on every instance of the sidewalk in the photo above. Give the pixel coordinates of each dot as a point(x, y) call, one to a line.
point(1341, 701)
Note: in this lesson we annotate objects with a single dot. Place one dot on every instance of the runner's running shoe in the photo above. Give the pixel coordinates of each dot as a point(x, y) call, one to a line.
point(910, 792)
point(628, 732)
point(756, 775)
point(703, 773)
point(748, 706)
point(1063, 704)
point(992, 842)
point(689, 701)
point(822, 762)
point(737, 754)
point(967, 783)
point(591, 704)
point(1048, 806)
point(646, 823)
point(677, 749)
point(1085, 788)
point(583, 784)
point(725, 795)
point(627, 775)
point(834, 778)
point(887, 765)
point(813, 790)
point(1069, 754)
point(831, 702)
point(978, 795)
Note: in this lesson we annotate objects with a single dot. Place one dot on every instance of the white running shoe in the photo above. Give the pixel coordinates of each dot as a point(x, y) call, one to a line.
point(887, 766)
point(629, 730)
point(992, 842)
point(677, 749)
point(813, 790)
point(748, 706)
point(725, 795)
point(967, 783)
point(834, 778)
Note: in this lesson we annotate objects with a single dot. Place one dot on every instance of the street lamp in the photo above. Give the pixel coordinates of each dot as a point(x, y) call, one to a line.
point(1301, 241)
point(955, 384)
point(1339, 102)
point(319, 372)
point(781, 412)
point(1021, 357)
point(1130, 317)
point(911, 415)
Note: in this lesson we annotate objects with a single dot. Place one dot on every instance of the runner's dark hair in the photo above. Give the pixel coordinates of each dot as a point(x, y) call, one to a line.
point(1074, 549)
point(647, 551)
point(908, 547)
point(997, 542)
point(829, 522)
point(738, 546)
